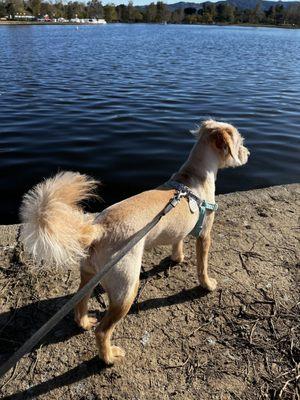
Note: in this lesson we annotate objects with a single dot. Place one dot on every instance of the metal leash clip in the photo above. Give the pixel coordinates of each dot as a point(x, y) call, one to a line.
point(177, 197)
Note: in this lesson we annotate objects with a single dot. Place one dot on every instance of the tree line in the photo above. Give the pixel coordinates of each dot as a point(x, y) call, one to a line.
point(159, 12)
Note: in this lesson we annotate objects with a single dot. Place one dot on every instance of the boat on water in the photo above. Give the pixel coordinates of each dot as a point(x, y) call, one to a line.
point(99, 21)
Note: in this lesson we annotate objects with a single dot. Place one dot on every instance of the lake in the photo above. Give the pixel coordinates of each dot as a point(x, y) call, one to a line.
point(118, 101)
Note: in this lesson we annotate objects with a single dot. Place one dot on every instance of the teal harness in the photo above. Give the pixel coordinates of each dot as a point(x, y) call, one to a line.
point(192, 199)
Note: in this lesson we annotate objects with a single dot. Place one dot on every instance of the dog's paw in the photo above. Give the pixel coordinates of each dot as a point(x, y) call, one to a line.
point(87, 322)
point(114, 355)
point(118, 352)
point(210, 284)
point(177, 258)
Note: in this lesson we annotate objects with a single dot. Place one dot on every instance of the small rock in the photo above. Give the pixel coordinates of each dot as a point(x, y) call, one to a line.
point(262, 213)
point(211, 341)
point(145, 339)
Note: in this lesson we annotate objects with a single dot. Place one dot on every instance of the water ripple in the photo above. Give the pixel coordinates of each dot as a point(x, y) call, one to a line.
point(117, 102)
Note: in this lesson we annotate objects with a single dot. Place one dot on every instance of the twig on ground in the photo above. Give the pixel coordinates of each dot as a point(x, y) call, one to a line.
point(273, 330)
point(140, 291)
point(11, 377)
point(296, 378)
point(284, 373)
point(178, 365)
point(197, 329)
point(33, 365)
point(220, 297)
point(68, 277)
point(244, 264)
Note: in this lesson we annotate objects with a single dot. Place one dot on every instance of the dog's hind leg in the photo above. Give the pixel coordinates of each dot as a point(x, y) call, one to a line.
point(116, 311)
point(177, 252)
point(121, 284)
point(202, 250)
point(81, 309)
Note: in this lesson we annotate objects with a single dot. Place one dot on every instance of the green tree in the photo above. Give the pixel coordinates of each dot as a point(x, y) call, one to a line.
point(14, 7)
point(74, 9)
point(225, 13)
point(130, 12)
point(59, 9)
point(190, 10)
point(279, 14)
point(122, 13)
point(110, 13)
point(293, 14)
point(192, 19)
point(3, 12)
point(138, 16)
point(208, 12)
point(256, 15)
point(177, 16)
point(239, 15)
point(162, 12)
point(271, 15)
point(150, 13)
point(95, 9)
point(35, 7)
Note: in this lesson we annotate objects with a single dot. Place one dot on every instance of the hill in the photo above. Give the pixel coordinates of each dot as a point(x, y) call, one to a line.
point(242, 4)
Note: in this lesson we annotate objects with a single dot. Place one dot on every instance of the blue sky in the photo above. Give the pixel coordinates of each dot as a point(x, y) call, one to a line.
point(143, 2)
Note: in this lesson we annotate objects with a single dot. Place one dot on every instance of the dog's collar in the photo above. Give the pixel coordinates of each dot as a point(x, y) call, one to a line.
point(202, 204)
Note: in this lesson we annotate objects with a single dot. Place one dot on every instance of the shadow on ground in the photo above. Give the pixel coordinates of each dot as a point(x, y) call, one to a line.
point(82, 371)
point(19, 324)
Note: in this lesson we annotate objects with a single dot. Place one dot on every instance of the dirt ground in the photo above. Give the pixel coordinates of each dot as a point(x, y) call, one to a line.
point(239, 342)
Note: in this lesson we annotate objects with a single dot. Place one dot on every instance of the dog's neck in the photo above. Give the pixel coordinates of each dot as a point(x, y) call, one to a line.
point(199, 172)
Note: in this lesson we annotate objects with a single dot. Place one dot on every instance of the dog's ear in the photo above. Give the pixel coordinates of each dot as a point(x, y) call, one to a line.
point(222, 139)
point(205, 127)
point(209, 124)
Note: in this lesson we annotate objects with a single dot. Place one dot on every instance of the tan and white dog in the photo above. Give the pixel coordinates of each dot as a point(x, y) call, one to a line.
point(56, 229)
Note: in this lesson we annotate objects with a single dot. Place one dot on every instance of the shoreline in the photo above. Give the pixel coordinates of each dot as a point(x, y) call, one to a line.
point(246, 25)
point(9, 232)
point(7, 23)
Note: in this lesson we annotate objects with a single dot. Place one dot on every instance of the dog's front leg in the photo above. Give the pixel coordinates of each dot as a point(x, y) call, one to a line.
point(177, 252)
point(202, 250)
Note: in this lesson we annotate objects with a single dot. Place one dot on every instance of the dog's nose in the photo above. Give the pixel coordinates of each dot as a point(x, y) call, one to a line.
point(246, 151)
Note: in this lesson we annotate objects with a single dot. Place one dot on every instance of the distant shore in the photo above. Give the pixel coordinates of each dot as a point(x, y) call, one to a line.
point(87, 23)
point(44, 23)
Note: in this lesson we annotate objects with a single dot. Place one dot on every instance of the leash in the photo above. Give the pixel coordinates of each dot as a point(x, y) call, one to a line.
point(66, 308)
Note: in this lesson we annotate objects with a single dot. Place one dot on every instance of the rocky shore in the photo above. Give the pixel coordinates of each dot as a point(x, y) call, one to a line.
point(239, 342)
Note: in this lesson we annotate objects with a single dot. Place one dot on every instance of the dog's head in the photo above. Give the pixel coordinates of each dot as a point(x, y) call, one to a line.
point(225, 140)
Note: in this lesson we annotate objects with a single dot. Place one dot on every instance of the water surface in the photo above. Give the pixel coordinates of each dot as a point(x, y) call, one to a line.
point(117, 102)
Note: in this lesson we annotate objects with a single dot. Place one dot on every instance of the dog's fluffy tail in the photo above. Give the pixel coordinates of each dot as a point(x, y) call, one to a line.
point(55, 229)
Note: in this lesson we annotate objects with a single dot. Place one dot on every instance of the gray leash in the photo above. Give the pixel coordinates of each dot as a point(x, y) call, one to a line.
point(49, 325)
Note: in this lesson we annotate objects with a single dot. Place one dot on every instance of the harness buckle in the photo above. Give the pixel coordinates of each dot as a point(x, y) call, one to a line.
point(177, 197)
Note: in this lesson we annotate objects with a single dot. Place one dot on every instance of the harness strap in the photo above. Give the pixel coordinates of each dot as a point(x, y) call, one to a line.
point(202, 204)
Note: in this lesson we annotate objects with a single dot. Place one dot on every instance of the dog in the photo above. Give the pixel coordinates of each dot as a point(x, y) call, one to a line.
point(56, 229)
